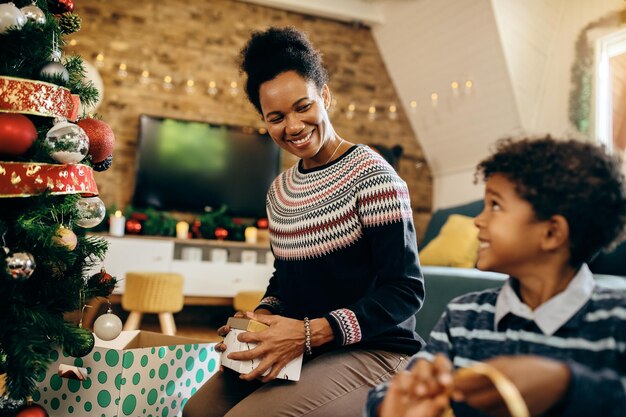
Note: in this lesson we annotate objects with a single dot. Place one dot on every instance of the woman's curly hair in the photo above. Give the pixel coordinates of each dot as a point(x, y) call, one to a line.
point(577, 180)
point(275, 51)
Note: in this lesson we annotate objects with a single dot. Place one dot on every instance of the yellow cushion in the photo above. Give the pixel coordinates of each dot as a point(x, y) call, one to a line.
point(456, 245)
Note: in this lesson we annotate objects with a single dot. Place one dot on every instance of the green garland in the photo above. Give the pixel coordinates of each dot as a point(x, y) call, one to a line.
point(582, 72)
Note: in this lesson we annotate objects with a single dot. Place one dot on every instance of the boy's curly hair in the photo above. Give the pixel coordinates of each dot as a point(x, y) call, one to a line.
point(275, 51)
point(577, 180)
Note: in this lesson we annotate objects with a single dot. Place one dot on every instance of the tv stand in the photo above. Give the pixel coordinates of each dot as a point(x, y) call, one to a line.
point(209, 279)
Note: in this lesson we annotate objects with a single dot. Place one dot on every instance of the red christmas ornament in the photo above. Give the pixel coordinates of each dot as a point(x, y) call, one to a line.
point(17, 133)
point(262, 224)
point(139, 216)
point(221, 233)
point(103, 276)
point(60, 6)
point(195, 229)
point(32, 410)
point(101, 138)
point(133, 227)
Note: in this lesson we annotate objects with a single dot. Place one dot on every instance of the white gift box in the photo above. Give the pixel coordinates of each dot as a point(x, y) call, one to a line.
point(237, 326)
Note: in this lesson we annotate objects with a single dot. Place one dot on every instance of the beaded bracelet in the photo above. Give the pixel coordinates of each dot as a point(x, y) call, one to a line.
point(307, 336)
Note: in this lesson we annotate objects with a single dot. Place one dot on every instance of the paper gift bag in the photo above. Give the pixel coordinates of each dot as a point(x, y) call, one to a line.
point(240, 325)
point(138, 374)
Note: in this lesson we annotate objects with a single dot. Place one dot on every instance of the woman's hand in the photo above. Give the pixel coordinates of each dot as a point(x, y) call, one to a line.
point(276, 346)
point(224, 330)
point(542, 382)
point(424, 391)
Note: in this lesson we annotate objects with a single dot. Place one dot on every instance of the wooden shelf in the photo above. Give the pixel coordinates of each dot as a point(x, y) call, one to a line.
point(193, 242)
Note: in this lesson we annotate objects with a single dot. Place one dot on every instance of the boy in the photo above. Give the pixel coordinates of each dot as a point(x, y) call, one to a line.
point(550, 206)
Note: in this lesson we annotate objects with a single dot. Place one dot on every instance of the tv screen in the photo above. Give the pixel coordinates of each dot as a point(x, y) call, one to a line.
point(195, 166)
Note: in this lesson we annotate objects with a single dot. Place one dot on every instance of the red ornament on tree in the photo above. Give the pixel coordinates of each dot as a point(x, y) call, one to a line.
point(101, 138)
point(60, 6)
point(221, 233)
point(103, 276)
point(32, 410)
point(262, 224)
point(17, 133)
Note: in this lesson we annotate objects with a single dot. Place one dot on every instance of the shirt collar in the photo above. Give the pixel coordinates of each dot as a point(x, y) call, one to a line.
point(555, 312)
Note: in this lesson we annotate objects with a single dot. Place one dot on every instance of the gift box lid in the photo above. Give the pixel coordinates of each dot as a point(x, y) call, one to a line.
point(134, 339)
point(248, 325)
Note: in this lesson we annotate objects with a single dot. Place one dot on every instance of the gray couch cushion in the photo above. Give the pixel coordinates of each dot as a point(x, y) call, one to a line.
point(445, 283)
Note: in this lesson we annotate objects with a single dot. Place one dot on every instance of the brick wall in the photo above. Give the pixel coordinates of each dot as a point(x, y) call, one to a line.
point(201, 41)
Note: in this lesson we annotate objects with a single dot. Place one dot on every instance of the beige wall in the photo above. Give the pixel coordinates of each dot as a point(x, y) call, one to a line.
point(201, 40)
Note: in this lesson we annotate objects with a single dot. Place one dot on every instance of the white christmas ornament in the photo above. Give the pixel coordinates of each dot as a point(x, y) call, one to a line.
point(68, 143)
point(91, 212)
point(10, 16)
point(55, 69)
point(108, 326)
point(34, 13)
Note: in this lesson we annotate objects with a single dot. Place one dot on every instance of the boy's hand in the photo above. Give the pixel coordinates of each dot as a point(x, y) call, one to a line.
point(423, 391)
point(542, 383)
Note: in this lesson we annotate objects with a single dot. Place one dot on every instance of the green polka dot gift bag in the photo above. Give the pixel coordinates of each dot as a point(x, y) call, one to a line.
point(138, 374)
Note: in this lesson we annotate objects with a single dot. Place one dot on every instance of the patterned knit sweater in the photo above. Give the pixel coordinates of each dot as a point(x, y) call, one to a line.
point(344, 245)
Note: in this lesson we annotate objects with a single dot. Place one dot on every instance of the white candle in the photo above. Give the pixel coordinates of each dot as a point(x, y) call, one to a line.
point(251, 234)
point(117, 224)
point(182, 230)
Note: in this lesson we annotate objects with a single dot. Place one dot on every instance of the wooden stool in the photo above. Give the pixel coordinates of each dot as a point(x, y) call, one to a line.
point(153, 292)
point(247, 300)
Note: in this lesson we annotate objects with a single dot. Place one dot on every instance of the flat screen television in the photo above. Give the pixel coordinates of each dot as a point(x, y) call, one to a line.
point(195, 166)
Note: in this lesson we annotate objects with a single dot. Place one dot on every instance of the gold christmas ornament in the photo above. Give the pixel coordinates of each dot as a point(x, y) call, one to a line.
point(65, 237)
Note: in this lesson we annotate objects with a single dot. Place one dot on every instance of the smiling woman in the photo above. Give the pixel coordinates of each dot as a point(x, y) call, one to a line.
point(347, 280)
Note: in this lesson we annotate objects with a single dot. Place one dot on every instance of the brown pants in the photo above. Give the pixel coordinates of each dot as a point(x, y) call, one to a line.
point(334, 384)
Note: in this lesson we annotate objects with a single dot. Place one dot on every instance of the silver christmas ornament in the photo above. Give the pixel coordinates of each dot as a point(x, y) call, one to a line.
point(20, 265)
point(67, 143)
point(34, 13)
point(10, 17)
point(55, 69)
point(108, 326)
point(91, 212)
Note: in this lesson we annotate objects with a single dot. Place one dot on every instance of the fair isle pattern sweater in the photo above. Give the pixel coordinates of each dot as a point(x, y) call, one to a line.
point(592, 344)
point(344, 244)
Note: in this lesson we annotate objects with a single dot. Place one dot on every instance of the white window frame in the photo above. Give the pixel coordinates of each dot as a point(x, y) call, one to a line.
point(606, 48)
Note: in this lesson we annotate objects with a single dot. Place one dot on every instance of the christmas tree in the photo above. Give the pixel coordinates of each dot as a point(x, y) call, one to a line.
point(48, 196)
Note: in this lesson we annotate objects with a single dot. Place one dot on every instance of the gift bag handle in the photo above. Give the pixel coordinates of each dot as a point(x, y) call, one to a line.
point(507, 390)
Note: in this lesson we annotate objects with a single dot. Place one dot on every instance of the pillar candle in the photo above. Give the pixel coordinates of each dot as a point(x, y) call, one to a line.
point(117, 224)
point(182, 230)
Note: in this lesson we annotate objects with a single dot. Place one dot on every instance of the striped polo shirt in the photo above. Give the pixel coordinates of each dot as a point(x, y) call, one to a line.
point(584, 326)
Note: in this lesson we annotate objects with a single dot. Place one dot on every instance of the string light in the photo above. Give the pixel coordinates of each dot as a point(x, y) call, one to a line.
point(393, 112)
point(234, 89)
point(434, 99)
point(212, 90)
point(371, 113)
point(121, 72)
point(100, 60)
point(350, 111)
point(167, 82)
point(190, 86)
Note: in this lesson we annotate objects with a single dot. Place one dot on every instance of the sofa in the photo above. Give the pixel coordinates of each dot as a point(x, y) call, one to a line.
point(443, 283)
